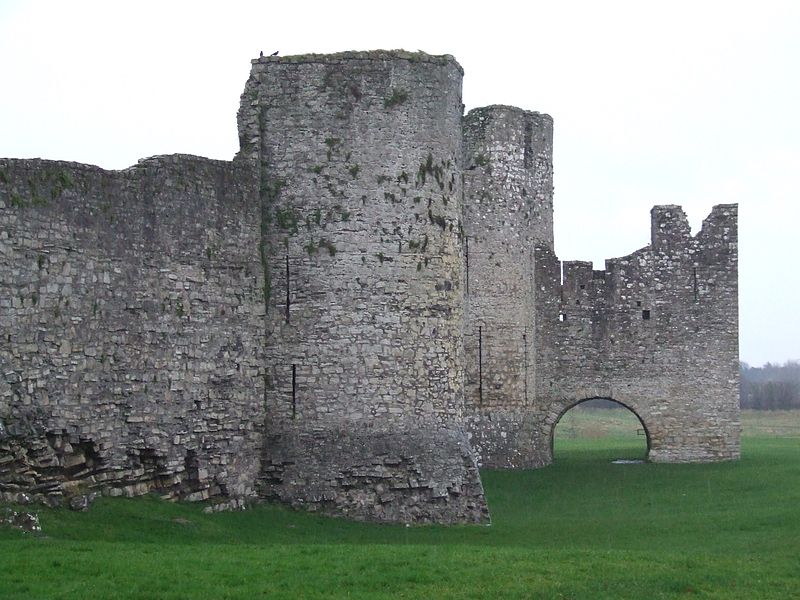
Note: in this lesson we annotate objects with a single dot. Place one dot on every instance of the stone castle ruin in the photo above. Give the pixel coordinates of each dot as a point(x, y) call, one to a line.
point(352, 315)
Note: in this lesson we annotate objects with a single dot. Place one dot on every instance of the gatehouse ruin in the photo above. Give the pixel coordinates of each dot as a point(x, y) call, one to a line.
point(351, 316)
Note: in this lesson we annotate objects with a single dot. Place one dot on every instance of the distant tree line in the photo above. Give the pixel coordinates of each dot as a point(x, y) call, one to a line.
point(771, 387)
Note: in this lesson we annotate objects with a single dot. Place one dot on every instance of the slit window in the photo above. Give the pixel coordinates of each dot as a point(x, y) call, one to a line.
point(646, 314)
point(528, 150)
point(294, 391)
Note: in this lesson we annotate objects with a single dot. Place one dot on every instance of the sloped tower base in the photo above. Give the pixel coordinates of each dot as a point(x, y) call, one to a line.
point(420, 475)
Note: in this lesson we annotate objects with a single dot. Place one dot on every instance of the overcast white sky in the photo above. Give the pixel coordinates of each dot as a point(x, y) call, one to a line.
point(683, 102)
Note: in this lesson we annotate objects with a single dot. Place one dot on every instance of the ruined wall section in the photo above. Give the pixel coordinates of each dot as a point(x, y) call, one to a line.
point(508, 209)
point(656, 330)
point(131, 315)
point(359, 155)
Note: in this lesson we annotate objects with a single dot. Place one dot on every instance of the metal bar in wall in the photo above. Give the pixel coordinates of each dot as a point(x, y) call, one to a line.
point(525, 380)
point(287, 287)
point(480, 365)
point(466, 263)
point(294, 391)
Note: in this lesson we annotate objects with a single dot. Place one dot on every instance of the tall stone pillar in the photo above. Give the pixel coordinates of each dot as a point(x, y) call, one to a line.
point(508, 209)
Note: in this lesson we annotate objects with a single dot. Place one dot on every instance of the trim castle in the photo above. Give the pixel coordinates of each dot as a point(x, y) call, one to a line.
point(351, 316)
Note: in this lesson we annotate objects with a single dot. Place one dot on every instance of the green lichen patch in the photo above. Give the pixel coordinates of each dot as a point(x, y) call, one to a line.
point(271, 189)
point(420, 244)
point(333, 146)
point(17, 201)
point(344, 214)
point(329, 246)
point(65, 180)
point(398, 96)
point(437, 219)
point(287, 218)
point(314, 218)
point(430, 168)
point(481, 160)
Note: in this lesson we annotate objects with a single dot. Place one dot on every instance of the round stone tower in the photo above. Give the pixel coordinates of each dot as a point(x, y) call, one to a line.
point(359, 156)
point(508, 210)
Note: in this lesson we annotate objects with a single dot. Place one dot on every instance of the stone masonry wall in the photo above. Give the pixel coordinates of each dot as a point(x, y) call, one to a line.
point(359, 155)
point(656, 331)
point(347, 317)
point(131, 313)
point(508, 209)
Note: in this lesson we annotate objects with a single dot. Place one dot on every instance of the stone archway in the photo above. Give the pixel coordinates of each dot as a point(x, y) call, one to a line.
point(569, 406)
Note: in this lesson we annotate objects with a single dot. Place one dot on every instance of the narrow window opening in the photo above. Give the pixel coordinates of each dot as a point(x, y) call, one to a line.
point(480, 366)
point(525, 380)
point(694, 277)
point(638, 303)
point(646, 314)
point(562, 317)
point(288, 301)
point(466, 264)
point(294, 391)
point(528, 156)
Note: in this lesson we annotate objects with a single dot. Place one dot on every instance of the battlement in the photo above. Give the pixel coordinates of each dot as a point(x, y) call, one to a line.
point(669, 227)
point(577, 275)
point(350, 57)
point(721, 223)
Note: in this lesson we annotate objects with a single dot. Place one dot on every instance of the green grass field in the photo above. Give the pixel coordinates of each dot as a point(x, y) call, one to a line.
point(582, 528)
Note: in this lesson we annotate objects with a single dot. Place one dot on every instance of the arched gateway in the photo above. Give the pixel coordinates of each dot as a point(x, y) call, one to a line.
point(642, 425)
point(656, 330)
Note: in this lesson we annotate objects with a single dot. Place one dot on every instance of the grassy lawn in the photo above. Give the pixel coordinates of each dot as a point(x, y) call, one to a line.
point(582, 528)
